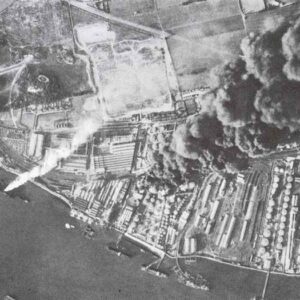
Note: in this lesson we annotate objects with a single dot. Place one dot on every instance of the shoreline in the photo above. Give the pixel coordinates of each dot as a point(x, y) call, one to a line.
point(152, 248)
point(236, 266)
point(45, 188)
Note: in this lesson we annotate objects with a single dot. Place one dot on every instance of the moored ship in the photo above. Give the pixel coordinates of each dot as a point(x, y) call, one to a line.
point(154, 272)
point(118, 251)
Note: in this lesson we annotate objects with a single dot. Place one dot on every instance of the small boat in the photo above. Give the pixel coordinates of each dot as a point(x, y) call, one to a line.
point(118, 251)
point(154, 272)
point(69, 226)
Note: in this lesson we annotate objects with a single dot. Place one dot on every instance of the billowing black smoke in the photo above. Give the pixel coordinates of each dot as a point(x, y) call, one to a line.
point(253, 104)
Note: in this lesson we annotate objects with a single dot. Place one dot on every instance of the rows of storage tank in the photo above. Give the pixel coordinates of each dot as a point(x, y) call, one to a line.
point(158, 216)
point(277, 239)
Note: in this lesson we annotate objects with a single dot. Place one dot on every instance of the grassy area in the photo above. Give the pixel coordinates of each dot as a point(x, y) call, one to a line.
point(27, 119)
point(46, 121)
point(193, 59)
point(270, 19)
point(73, 78)
point(128, 7)
point(40, 23)
point(206, 33)
point(4, 4)
point(65, 80)
point(4, 55)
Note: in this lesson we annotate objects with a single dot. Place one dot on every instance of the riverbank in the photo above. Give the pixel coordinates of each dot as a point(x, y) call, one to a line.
point(236, 265)
point(42, 186)
point(43, 260)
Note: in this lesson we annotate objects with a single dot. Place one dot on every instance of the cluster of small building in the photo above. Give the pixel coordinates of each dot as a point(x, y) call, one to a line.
point(64, 104)
point(95, 201)
point(287, 146)
point(226, 214)
point(209, 210)
point(187, 103)
point(59, 105)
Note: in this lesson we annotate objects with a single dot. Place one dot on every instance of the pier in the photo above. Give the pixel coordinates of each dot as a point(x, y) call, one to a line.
point(265, 285)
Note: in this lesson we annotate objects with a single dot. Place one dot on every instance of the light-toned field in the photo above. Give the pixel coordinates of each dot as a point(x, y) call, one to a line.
point(5, 3)
point(204, 34)
point(193, 60)
point(46, 121)
point(138, 78)
point(270, 19)
point(131, 73)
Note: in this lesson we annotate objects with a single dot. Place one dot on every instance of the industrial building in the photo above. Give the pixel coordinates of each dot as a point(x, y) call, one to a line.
point(98, 197)
point(35, 145)
point(189, 246)
point(74, 164)
point(125, 218)
point(118, 159)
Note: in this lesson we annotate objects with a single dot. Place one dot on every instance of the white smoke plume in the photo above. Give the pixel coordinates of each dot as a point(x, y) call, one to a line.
point(86, 128)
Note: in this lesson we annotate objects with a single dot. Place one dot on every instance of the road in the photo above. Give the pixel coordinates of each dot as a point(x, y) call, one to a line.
point(265, 286)
point(197, 30)
point(276, 155)
point(258, 22)
point(109, 17)
point(12, 68)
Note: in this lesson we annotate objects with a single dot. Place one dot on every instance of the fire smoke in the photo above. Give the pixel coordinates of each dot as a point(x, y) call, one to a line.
point(86, 128)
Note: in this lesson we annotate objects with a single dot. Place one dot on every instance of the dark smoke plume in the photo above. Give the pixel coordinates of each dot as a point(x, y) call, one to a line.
point(253, 104)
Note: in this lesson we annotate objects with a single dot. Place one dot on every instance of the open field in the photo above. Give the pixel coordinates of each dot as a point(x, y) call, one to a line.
point(204, 34)
point(4, 4)
point(133, 70)
point(192, 69)
point(173, 13)
point(65, 80)
point(55, 24)
point(72, 78)
point(210, 32)
point(46, 122)
point(4, 55)
point(27, 119)
point(270, 19)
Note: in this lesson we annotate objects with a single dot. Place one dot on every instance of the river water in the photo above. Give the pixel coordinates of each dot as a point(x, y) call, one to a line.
point(40, 259)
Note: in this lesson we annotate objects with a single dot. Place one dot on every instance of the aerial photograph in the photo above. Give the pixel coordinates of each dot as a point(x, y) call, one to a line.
point(149, 149)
